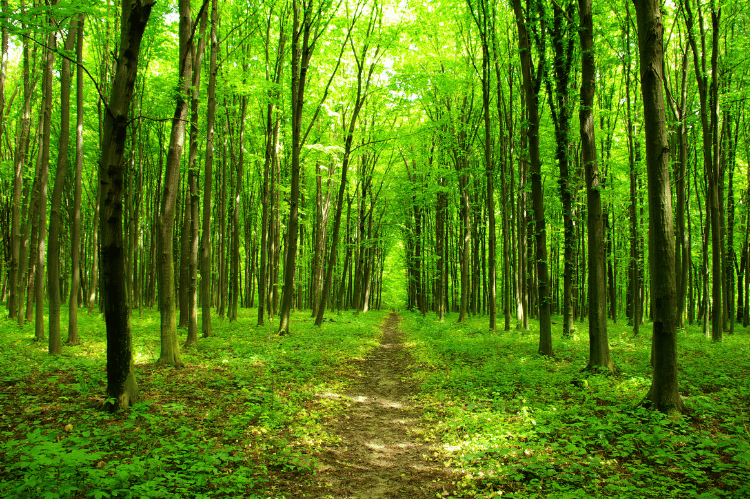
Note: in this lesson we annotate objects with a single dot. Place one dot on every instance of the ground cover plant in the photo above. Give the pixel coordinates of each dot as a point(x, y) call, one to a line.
point(239, 411)
point(517, 424)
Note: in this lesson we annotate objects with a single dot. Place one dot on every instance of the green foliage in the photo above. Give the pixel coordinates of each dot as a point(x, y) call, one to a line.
point(240, 408)
point(520, 425)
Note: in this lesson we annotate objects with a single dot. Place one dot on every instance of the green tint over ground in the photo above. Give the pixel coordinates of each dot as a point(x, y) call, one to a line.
point(240, 411)
point(249, 412)
point(516, 424)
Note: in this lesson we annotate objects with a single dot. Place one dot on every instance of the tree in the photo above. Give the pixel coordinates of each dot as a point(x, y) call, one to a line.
point(41, 215)
point(599, 356)
point(170, 349)
point(273, 73)
point(205, 243)
point(122, 388)
point(484, 20)
point(194, 205)
point(663, 394)
point(709, 102)
point(75, 229)
point(310, 22)
point(364, 79)
point(532, 80)
point(53, 256)
point(18, 253)
point(562, 44)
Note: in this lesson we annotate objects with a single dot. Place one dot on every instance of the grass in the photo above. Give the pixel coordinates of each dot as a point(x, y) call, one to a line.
point(244, 412)
point(244, 405)
point(516, 424)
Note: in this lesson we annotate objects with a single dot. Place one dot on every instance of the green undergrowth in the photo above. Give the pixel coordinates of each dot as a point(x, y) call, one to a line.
point(515, 424)
point(242, 409)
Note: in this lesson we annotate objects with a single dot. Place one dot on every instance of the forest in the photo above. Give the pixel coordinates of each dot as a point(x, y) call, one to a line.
point(374, 248)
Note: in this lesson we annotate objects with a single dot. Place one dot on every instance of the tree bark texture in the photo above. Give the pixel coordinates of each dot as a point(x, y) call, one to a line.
point(122, 389)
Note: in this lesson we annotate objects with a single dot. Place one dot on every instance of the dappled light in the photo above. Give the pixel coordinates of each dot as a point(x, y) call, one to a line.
point(365, 249)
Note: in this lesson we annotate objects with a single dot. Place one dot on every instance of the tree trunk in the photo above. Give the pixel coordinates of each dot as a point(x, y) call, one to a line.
point(599, 356)
point(122, 389)
point(301, 53)
point(313, 19)
point(234, 272)
point(208, 179)
point(440, 247)
point(563, 43)
point(40, 248)
point(170, 349)
point(272, 131)
point(75, 231)
point(18, 251)
point(531, 89)
point(708, 95)
point(53, 256)
point(663, 394)
point(634, 270)
point(193, 173)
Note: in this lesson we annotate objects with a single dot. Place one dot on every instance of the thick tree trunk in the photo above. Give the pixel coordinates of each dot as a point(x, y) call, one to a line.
point(122, 389)
point(663, 394)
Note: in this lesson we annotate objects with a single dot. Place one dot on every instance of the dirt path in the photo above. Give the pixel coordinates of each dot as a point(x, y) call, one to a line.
point(378, 455)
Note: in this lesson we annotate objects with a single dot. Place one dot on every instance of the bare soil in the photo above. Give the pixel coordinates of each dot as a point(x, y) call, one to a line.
point(380, 453)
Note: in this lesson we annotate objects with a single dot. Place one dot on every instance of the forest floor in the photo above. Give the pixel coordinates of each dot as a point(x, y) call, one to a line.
point(379, 451)
point(371, 406)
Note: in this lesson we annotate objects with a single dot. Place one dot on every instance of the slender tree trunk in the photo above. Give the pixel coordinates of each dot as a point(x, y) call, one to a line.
point(531, 89)
point(465, 245)
point(221, 284)
point(440, 243)
point(634, 271)
point(486, 25)
point(53, 256)
point(272, 130)
point(94, 285)
point(599, 356)
point(193, 173)
point(708, 95)
point(235, 250)
point(75, 231)
point(183, 238)
point(205, 244)
point(563, 43)
point(40, 248)
point(170, 349)
point(18, 251)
